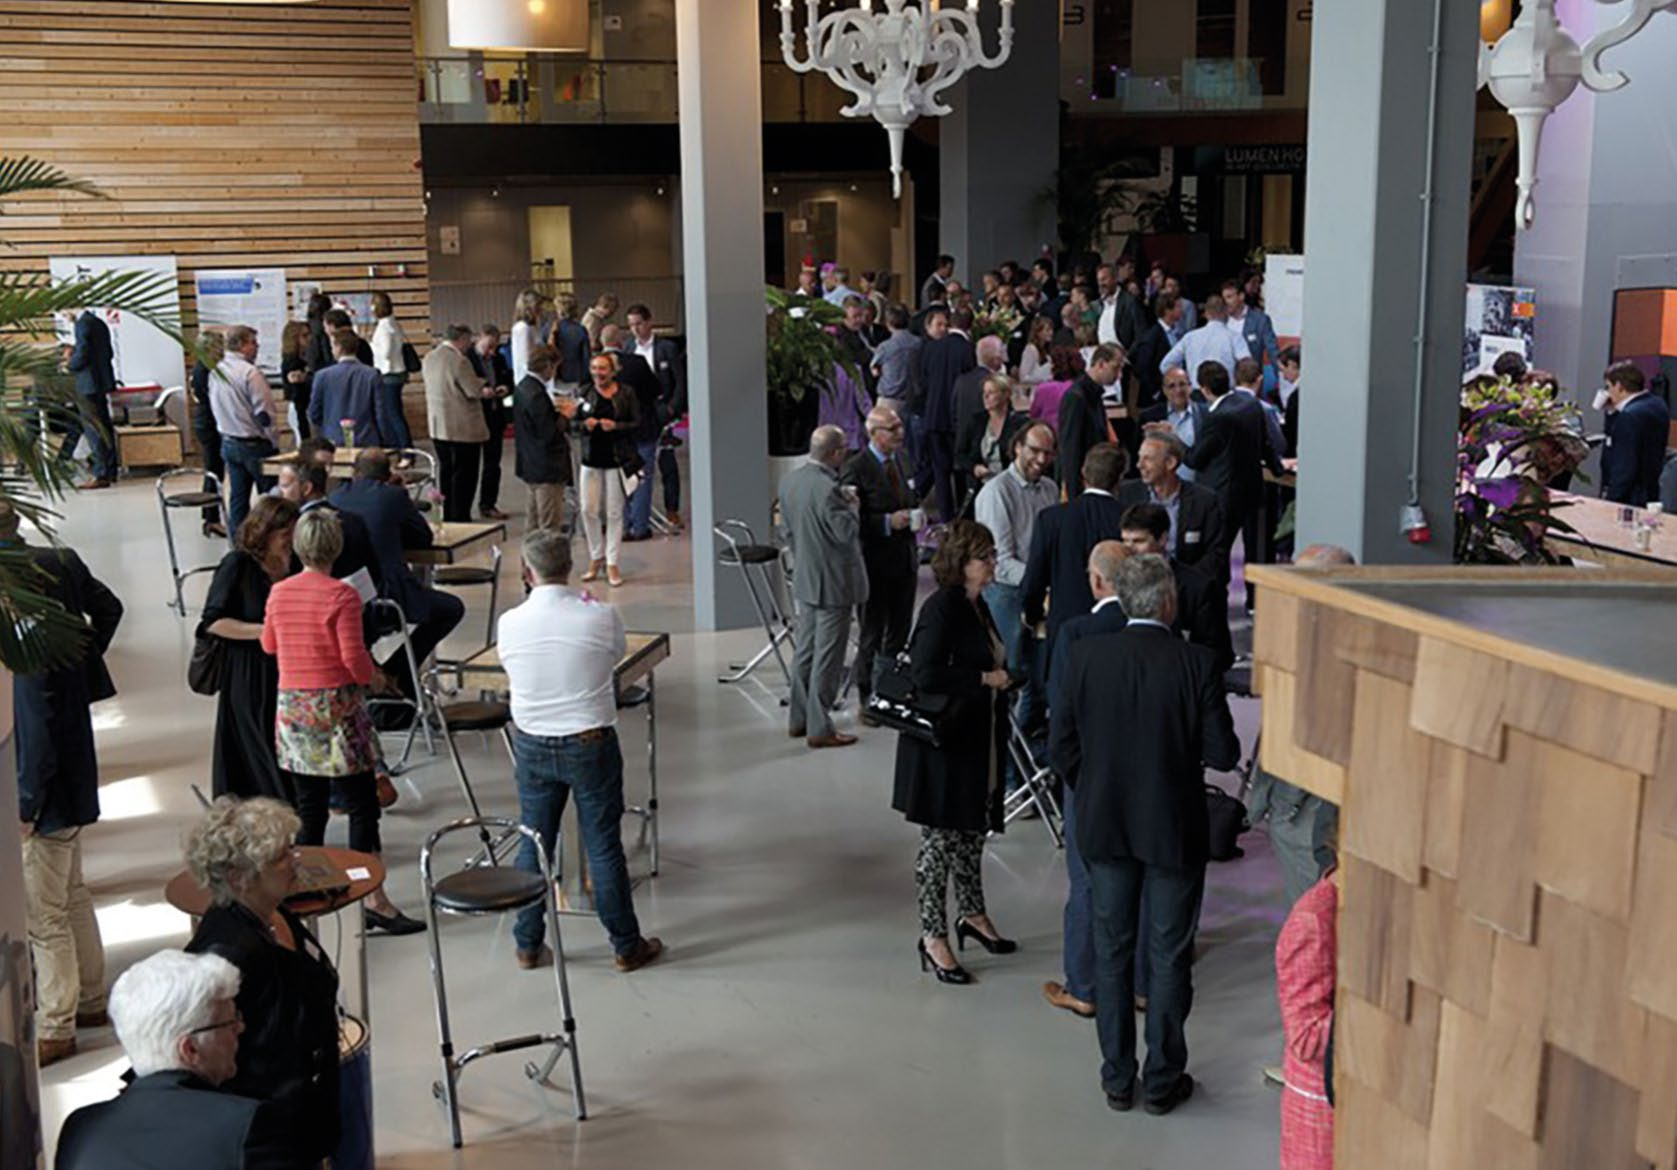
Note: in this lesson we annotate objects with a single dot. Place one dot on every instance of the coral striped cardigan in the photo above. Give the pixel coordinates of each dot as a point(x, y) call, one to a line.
point(313, 626)
point(1305, 976)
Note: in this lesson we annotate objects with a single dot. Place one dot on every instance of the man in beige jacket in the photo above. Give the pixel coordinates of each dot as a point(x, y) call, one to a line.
point(454, 397)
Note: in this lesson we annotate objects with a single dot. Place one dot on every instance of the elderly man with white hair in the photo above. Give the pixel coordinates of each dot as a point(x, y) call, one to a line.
point(823, 527)
point(175, 1018)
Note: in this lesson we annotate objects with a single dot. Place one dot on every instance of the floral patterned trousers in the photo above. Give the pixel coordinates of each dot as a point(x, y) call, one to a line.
point(945, 853)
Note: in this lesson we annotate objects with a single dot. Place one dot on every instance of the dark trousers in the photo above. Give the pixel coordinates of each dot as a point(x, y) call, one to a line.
point(1119, 890)
point(96, 428)
point(360, 794)
point(490, 492)
point(884, 620)
point(457, 471)
point(548, 772)
point(390, 399)
point(669, 473)
point(209, 445)
point(434, 614)
point(940, 447)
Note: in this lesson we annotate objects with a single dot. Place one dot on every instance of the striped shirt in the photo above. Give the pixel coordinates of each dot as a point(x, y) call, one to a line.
point(313, 626)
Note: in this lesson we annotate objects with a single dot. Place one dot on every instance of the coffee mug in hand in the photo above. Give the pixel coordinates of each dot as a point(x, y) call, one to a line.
point(917, 519)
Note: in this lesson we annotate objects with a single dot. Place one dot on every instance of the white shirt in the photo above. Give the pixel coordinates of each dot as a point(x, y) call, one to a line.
point(1107, 329)
point(1104, 602)
point(645, 350)
point(524, 339)
point(559, 649)
point(388, 339)
point(1034, 367)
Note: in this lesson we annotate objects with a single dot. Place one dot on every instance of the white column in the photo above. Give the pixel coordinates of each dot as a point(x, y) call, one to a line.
point(717, 48)
point(1364, 236)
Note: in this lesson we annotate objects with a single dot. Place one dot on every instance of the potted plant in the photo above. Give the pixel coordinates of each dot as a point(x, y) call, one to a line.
point(804, 351)
point(1168, 222)
point(1516, 438)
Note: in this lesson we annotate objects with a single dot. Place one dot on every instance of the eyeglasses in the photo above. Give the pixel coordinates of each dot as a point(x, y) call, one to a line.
point(238, 1019)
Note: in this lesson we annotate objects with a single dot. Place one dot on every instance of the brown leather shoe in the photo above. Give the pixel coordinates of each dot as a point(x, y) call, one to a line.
point(93, 485)
point(1056, 994)
point(797, 733)
point(52, 1051)
point(645, 951)
point(98, 1019)
point(837, 739)
point(542, 956)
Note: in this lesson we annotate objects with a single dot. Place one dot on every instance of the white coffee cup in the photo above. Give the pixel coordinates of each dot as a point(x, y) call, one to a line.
point(916, 519)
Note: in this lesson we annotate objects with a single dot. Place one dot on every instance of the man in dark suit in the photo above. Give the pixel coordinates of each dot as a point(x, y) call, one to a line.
point(1142, 715)
point(1196, 515)
point(395, 525)
point(306, 484)
point(1056, 581)
point(1202, 604)
point(58, 793)
point(666, 376)
point(880, 476)
point(346, 389)
point(1083, 421)
point(92, 361)
point(943, 358)
point(1155, 343)
point(1231, 453)
point(541, 442)
point(489, 362)
point(174, 1014)
point(1638, 432)
point(1077, 994)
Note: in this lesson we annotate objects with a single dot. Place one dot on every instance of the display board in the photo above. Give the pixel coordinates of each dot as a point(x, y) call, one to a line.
point(144, 353)
point(246, 296)
point(1284, 296)
point(1499, 320)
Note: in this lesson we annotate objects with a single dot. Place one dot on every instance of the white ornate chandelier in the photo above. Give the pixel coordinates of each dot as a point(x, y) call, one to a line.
point(882, 58)
point(1537, 65)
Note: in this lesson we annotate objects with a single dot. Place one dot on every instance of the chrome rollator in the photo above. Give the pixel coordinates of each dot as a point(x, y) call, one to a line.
point(496, 889)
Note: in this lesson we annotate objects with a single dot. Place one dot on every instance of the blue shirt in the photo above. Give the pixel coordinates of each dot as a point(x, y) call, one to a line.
point(1172, 507)
point(1182, 423)
point(1212, 342)
point(838, 295)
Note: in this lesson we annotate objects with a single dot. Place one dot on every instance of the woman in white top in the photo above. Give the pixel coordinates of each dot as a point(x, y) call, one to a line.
point(526, 331)
point(1034, 366)
point(388, 343)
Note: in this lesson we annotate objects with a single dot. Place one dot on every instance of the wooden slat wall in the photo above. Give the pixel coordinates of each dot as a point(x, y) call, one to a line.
point(227, 135)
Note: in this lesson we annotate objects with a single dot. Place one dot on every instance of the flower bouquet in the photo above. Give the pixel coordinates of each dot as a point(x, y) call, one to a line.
point(1517, 436)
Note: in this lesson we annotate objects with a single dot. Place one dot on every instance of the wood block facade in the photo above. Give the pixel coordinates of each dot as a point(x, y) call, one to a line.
point(226, 135)
point(1508, 925)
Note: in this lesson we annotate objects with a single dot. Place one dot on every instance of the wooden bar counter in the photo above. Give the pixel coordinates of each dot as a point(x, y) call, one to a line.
point(1503, 746)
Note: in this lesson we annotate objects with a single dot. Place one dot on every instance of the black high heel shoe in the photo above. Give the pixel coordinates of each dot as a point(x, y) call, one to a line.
point(996, 946)
point(956, 974)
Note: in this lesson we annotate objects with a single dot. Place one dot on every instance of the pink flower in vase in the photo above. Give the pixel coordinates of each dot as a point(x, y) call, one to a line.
point(348, 425)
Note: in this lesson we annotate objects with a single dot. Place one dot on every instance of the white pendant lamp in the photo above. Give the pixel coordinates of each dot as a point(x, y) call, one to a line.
point(532, 26)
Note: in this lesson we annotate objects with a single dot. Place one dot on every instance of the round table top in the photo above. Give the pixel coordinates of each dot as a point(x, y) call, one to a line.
point(187, 896)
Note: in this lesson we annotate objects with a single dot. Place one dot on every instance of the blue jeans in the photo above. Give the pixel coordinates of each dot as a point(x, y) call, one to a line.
point(1120, 890)
point(548, 771)
point(244, 471)
point(639, 522)
point(390, 413)
point(1078, 926)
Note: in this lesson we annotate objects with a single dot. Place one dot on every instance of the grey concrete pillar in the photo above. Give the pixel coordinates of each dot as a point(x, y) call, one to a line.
point(1364, 243)
point(1606, 201)
point(722, 249)
point(1000, 148)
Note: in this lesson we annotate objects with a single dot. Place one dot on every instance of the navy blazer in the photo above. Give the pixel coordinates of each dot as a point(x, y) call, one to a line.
point(1108, 619)
point(348, 389)
point(1199, 522)
point(394, 525)
point(93, 360)
point(1057, 568)
point(1082, 423)
point(941, 363)
point(1631, 462)
point(1230, 454)
point(172, 1119)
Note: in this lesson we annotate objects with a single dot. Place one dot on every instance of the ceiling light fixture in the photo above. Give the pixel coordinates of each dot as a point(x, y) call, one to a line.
point(897, 62)
point(531, 26)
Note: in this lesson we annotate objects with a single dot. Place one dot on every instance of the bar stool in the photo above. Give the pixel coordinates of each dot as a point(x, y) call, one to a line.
point(391, 610)
point(484, 717)
point(468, 575)
point(748, 555)
point(1036, 785)
point(642, 696)
point(168, 501)
point(495, 889)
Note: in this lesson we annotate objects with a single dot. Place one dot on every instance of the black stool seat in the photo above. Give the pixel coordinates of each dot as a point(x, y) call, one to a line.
point(487, 890)
point(632, 697)
point(191, 500)
point(465, 575)
point(749, 554)
point(476, 716)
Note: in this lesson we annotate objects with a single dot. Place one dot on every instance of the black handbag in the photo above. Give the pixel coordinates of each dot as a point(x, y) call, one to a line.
point(410, 358)
point(1228, 821)
point(207, 669)
point(897, 703)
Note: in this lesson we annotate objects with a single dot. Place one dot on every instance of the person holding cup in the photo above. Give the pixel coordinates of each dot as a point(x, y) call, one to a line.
point(890, 518)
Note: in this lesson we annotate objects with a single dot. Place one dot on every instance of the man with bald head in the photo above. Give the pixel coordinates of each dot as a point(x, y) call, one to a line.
point(880, 475)
point(969, 387)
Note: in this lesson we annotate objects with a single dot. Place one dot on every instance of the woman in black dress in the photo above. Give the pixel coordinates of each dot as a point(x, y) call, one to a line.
point(954, 790)
point(241, 852)
point(244, 763)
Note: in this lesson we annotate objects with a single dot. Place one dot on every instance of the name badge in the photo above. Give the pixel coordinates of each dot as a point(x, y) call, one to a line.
point(1190, 538)
point(1609, 440)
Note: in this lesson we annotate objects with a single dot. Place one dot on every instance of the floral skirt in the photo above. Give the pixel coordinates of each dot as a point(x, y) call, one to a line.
point(325, 733)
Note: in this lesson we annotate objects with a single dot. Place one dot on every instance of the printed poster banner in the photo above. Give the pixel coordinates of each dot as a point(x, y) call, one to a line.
point(144, 353)
point(1284, 296)
point(246, 296)
point(1499, 320)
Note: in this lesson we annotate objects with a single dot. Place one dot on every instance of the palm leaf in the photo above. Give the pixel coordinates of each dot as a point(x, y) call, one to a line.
point(36, 632)
point(18, 175)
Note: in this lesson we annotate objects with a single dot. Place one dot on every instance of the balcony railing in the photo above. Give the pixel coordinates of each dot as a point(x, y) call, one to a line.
point(541, 90)
point(1193, 85)
point(475, 302)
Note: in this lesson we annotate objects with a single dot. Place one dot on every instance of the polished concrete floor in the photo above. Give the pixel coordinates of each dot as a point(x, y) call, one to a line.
point(788, 1025)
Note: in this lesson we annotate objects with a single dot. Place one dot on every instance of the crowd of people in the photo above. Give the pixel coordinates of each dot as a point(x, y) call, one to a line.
point(1084, 451)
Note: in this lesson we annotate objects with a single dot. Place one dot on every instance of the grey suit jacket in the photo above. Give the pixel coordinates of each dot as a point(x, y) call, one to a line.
point(824, 531)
